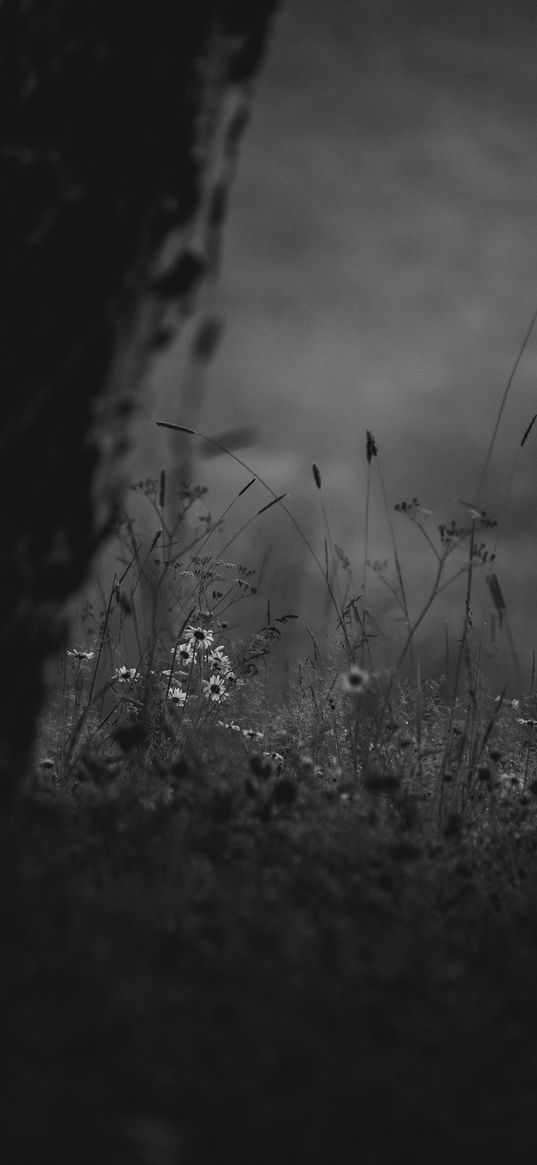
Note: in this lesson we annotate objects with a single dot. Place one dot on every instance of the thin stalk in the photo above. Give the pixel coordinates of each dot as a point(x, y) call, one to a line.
point(512, 375)
point(421, 616)
point(115, 583)
point(174, 656)
point(329, 544)
point(292, 519)
point(404, 603)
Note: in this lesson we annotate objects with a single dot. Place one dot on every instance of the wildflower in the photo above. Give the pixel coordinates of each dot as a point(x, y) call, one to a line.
point(230, 727)
point(177, 696)
point(274, 758)
point(198, 637)
point(214, 688)
point(510, 781)
point(184, 653)
point(218, 661)
point(81, 655)
point(355, 680)
point(125, 675)
point(252, 734)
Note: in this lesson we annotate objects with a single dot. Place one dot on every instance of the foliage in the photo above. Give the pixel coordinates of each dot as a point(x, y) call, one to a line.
point(305, 917)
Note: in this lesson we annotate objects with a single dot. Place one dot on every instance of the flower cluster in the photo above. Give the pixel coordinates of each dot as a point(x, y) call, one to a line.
point(204, 669)
point(199, 667)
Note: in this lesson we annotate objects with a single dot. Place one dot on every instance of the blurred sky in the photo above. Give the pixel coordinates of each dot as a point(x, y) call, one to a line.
point(380, 272)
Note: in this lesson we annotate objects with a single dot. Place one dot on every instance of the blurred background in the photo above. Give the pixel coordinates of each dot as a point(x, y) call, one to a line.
point(379, 272)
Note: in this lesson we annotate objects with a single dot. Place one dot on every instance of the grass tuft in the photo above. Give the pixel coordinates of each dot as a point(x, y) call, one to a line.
point(284, 913)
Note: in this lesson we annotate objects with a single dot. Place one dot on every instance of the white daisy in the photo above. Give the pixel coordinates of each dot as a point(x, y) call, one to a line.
point(199, 637)
point(355, 681)
point(125, 675)
point(214, 688)
point(177, 696)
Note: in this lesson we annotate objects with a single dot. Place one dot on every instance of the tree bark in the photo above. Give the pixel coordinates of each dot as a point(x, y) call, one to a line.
point(120, 125)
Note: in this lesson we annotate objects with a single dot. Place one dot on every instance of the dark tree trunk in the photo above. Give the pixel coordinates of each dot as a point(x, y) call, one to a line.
point(120, 124)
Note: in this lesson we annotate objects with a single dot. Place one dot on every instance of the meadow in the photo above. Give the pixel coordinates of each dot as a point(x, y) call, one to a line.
point(263, 915)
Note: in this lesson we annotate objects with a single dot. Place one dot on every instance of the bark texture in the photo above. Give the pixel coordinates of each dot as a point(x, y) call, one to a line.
point(120, 124)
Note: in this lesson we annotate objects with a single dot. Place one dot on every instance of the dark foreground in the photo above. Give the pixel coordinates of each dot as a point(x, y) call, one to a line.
point(193, 982)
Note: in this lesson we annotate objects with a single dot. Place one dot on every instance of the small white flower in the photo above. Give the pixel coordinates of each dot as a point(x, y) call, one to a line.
point(177, 696)
point(355, 681)
point(81, 655)
point(510, 781)
point(214, 688)
point(125, 675)
point(218, 661)
point(198, 637)
point(275, 759)
point(183, 653)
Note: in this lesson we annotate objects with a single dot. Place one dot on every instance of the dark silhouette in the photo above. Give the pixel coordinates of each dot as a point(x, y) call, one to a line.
point(119, 125)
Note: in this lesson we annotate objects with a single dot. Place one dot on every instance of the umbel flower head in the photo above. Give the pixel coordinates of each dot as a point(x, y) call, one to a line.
point(355, 680)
